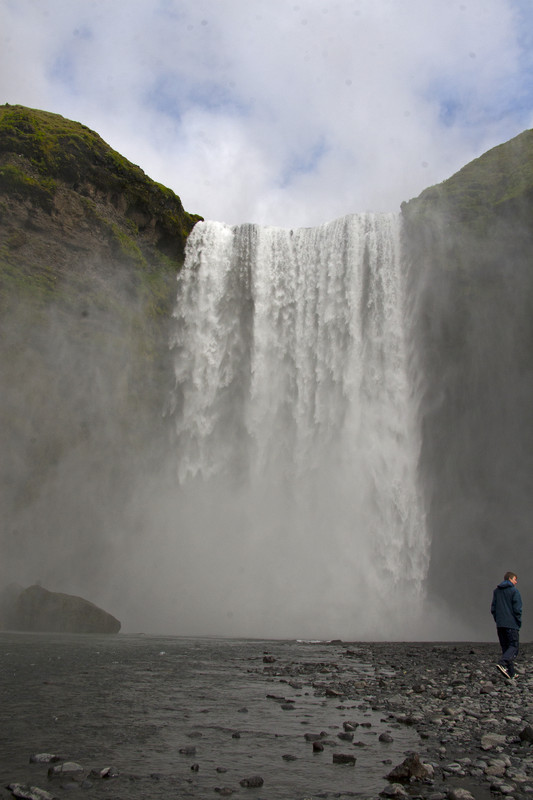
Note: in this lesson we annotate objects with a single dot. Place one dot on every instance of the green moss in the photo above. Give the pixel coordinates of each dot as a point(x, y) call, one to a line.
point(16, 181)
point(36, 286)
point(59, 149)
point(127, 247)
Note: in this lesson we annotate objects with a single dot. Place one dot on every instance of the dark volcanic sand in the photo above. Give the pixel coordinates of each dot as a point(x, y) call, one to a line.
point(139, 704)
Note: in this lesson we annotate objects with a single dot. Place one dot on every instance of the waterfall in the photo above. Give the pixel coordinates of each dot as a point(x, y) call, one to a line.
point(296, 431)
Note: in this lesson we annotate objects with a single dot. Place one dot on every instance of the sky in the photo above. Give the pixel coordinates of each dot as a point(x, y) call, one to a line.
point(279, 112)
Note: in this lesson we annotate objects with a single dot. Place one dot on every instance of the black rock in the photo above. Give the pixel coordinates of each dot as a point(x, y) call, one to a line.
point(343, 758)
point(526, 735)
point(252, 783)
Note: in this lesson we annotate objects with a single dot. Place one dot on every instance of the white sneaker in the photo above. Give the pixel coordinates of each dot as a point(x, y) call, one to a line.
point(504, 671)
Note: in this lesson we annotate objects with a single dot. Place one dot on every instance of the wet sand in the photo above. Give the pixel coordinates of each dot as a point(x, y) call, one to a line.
point(154, 717)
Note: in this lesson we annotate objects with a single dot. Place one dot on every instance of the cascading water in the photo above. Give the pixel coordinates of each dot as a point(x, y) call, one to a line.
point(296, 434)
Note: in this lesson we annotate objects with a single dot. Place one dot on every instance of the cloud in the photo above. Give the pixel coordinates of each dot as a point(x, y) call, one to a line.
point(288, 113)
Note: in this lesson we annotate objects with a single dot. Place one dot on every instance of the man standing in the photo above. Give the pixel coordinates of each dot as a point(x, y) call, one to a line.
point(506, 609)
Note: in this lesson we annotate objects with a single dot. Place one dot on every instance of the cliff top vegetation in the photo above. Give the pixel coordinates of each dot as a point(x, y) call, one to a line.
point(500, 182)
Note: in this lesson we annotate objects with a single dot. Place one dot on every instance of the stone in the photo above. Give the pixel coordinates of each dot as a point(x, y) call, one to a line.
point(44, 758)
point(450, 711)
point(313, 737)
point(346, 736)
point(252, 783)
point(496, 770)
point(333, 693)
point(411, 767)
point(109, 772)
point(344, 758)
point(67, 768)
point(394, 790)
point(526, 735)
point(26, 792)
point(505, 788)
point(454, 768)
point(490, 740)
point(460, 794)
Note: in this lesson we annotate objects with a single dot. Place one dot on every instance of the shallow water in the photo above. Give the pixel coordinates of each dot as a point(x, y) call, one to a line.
point(133, 702)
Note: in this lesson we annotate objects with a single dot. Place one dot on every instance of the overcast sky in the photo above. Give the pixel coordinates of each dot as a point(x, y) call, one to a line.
point(283, 112)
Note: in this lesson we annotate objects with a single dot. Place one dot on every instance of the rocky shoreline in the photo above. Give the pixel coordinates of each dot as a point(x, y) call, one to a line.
point(475, 727)
point(472, 729)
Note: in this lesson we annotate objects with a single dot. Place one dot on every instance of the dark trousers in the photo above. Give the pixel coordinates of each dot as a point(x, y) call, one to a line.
point(509, 643)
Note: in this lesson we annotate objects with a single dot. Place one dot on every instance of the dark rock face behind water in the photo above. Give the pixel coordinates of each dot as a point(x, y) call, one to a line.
point(37, 609)
point(470, 246)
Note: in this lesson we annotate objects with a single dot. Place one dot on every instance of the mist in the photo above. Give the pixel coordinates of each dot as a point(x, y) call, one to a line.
point(471, 287)
point(331, 438)
point(81, 411)
point(258, 475)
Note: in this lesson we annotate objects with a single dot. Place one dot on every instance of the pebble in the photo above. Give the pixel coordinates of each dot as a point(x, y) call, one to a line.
point(255, 782)
point(343, 758)
point(66, 768)
point(460, 794)
point(44, 758)
point(25, 792)
point(188, 751)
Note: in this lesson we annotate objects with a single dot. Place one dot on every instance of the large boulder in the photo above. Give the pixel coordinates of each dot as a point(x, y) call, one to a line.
point(37, 609)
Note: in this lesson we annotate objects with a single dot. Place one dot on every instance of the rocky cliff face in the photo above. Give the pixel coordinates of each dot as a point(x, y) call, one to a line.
point(68, 202)
point(89, 252)
point(470, 243)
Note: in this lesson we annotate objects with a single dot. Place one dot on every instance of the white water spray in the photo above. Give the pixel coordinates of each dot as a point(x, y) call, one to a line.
point(297, 441)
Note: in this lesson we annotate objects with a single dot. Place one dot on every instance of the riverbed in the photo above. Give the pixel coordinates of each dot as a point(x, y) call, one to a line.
point(153, 716)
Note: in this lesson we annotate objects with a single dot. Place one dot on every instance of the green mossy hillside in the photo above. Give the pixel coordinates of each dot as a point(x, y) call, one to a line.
point(55, 148)
point(73, 209)
point(498, 184)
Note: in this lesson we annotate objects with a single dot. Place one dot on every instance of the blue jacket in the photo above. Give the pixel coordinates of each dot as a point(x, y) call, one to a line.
point(506, 606)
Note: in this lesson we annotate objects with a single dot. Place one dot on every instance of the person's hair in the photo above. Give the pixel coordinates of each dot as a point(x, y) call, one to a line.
point(508, 576)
